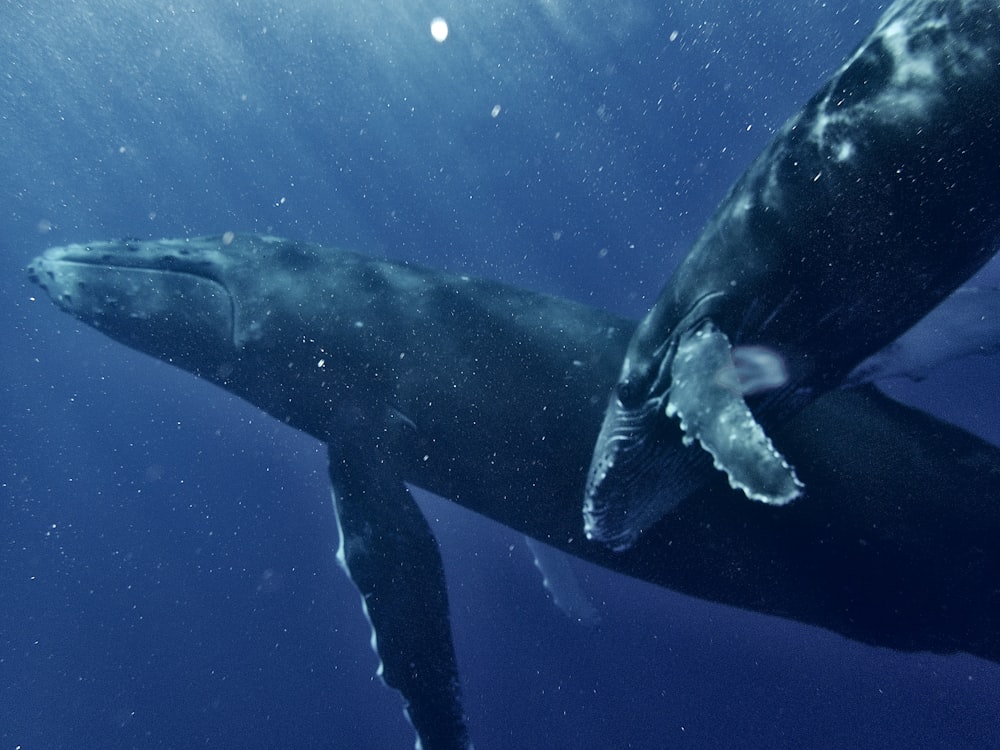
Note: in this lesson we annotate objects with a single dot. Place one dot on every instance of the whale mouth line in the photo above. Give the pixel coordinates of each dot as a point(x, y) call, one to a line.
point(127, 256)
point(150, 269)
point(41, 269)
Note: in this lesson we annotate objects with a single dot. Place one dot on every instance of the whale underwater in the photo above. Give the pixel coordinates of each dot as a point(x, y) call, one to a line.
point(491, 397)
point(870, 206)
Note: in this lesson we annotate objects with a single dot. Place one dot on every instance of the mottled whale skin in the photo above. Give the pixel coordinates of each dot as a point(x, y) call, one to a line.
point(868, 208)
point(492, 397)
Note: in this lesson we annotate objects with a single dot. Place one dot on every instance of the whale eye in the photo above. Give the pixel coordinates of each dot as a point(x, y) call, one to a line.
point(629, 392)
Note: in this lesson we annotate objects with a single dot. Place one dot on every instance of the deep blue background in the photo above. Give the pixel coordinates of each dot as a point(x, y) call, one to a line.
point(166, 556)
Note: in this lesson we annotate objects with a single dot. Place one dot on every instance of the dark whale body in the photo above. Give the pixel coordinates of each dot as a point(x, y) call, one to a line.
point(492, 397)
point(868, 208)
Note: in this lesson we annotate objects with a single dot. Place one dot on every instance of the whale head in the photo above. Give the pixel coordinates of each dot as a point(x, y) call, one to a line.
point(677, 411)
point(168, 299)
point(243, 311)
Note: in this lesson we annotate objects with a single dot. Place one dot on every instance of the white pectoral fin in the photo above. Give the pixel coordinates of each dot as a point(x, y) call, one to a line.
point(966, 324)
point(713, 412)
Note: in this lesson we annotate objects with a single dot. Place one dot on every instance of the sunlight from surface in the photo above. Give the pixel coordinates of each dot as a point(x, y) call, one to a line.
point(439, 29)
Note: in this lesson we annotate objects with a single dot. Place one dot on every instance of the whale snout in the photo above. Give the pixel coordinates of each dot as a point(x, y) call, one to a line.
point(46, 274)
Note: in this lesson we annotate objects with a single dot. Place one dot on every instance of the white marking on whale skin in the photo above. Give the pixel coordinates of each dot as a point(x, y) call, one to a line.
point(844, 151)
point(916, 71)
point(341, 556)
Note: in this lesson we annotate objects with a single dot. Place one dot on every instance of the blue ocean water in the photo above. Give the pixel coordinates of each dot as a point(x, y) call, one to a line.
point(167, 551)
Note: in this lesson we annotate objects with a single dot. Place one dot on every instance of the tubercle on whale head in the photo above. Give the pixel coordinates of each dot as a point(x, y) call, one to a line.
point(622, 496)
point(605, 513)
point(160, 308)
point(615, 508)
point(641, 471)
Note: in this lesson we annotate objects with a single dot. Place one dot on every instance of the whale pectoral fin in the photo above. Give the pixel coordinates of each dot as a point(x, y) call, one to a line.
point(389, 552)
point(966, 324)
point(711, 409)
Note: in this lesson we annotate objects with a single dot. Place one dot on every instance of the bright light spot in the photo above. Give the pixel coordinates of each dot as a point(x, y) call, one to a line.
point(844, 151)
point(673, 36)
point(495, 112)
point(227, 238)
point(439, 29)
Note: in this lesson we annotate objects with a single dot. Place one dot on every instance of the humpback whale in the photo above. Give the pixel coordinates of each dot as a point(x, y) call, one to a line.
point(491, 396)
point(867, 208)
